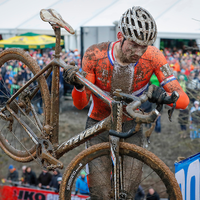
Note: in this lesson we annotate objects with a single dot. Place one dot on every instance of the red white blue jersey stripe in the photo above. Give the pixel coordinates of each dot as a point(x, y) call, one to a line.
point(167, 80)
point(111, 55)
point(140, 91)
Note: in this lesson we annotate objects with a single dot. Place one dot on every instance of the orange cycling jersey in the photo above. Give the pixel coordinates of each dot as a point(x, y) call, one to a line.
point(103, 70)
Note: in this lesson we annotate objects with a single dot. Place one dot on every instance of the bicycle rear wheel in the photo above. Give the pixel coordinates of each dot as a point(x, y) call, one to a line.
point(20, 67)
point(153, 170)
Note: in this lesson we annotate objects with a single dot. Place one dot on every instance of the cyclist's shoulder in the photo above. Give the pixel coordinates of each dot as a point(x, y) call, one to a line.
point(154, 55)
point(97, 51)
point(152, 50)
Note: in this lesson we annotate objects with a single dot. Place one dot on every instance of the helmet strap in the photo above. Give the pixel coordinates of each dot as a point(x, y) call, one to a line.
point(123, 42)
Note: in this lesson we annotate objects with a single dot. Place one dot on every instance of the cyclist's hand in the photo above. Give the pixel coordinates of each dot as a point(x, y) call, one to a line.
point(156, 94)
point(69, 75)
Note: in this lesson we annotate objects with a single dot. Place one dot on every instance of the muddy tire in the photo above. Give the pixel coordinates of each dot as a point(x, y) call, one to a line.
point(151, 161)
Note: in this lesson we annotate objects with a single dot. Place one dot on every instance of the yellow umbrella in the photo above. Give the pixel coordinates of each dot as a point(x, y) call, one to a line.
point(30, 41)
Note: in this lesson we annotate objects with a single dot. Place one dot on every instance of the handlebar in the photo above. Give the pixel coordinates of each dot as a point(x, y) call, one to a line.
point(144, 117)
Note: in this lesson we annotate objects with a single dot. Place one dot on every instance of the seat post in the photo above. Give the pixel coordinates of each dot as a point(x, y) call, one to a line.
point(57, 47)
point(54, 119)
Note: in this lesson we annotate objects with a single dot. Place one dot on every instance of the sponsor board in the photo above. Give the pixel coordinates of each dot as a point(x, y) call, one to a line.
point(187, 173)
point(22, 193)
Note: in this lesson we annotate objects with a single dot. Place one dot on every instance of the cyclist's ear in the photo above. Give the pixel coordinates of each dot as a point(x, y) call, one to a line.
point(72, 63)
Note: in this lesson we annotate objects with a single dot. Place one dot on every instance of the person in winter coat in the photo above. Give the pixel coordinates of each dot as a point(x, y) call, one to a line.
point(152, 195)
point(13, 174)
point(55, 181)
point(30, 177)
point(44, 178)
point(81, 184)
point(140, 193)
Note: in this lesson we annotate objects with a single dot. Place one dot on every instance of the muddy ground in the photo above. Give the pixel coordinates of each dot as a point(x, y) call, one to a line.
point(167, 145)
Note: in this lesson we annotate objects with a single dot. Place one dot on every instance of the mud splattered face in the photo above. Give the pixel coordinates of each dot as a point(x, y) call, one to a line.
point(131, 52)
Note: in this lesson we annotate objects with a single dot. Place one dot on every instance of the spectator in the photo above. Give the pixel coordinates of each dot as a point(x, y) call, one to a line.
point(182, 82)
point(13, 174)
point(140, 193)
point(23, 174)
point(194, 120)
point(152, 195)
point(81, 184)
point(183, 121)
point(30, 177)
point(55, 181)
point(44, 178)
point(182, 73)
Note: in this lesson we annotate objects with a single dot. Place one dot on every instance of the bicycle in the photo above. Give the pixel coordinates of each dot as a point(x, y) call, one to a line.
point(19, 115)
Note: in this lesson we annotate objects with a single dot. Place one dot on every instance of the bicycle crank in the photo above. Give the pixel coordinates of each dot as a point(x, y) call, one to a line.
point(46, 155)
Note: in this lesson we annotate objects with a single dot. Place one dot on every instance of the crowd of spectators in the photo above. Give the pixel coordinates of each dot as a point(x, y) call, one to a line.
point(28, 178)
point(13, 74)
point(47, 180)
point(184, 63)
point(186, 68)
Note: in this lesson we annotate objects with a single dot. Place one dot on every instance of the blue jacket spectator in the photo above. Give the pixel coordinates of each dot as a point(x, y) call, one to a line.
point(81, 184)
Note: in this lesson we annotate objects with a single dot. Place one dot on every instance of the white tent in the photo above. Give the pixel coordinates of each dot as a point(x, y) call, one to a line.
point(21, 16)
point(175, 19)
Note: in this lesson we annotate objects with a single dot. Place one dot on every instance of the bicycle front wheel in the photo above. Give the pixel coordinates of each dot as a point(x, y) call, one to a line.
point(17, 68)
point(155, 173)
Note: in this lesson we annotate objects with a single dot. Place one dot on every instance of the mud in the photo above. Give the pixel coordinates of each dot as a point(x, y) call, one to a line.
point(167, 145)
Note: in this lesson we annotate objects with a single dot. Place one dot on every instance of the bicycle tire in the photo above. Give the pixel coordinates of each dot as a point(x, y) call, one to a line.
point(127, 149)
point(15, 151)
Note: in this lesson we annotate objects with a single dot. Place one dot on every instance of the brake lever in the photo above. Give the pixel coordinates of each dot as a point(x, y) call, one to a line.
point(174, 97)
point(170, 112)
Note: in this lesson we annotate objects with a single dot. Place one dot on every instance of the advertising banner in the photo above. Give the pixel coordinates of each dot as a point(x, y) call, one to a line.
point(23, 193)
point(187, 173)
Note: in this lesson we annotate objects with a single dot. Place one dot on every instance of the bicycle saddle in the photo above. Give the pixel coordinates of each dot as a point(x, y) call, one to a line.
point(50, 15)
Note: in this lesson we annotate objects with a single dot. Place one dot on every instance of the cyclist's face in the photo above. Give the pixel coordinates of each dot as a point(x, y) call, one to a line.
point(133, 51)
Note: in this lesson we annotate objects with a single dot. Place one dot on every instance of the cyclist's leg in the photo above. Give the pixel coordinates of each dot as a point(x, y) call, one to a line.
point(100, 168)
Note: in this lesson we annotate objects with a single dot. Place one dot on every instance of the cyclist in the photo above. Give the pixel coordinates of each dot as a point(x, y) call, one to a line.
point(126, 64)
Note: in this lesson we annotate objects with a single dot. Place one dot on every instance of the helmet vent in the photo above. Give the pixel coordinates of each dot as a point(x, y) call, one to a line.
point(140, 24)
point(137, 14)
point(132, 22)
point(147, 14)
point(147, 26)
point(129, 31)
point(144, 16)
point(151, 36)
point(152, 25)
point(136, 34)
point(141, 35)
point(127, 21)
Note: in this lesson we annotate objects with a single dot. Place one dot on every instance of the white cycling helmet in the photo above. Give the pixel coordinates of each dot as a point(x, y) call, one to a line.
point(138, 25)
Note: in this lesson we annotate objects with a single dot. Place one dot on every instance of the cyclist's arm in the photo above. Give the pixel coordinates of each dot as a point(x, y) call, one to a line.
point(167, 79)
point(81, 97)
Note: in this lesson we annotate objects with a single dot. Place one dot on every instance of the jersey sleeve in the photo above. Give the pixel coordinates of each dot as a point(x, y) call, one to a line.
point(81, 97)
point(166, 78)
